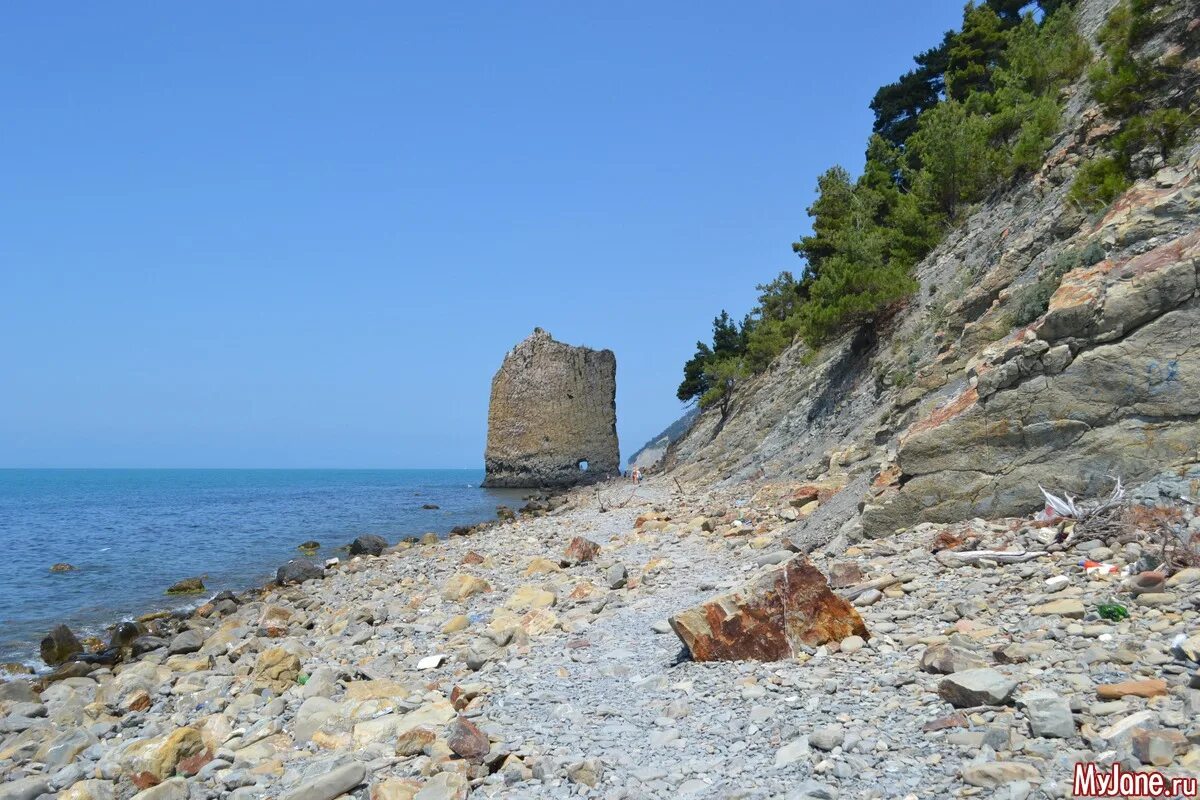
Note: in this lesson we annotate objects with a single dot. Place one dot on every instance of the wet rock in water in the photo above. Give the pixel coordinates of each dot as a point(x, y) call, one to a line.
point(13, 668)
point(124, 634)
point(71, 669)
point(368, 545)
point(63, 566)
point(59, 646)
point(505, 514)
point(430, 507)
point(298, 570)
point(467, 741)
point(580, 551)
point(188, 586)
point(309, 547)
point(106, 657)
point(147, 644)
point(770, 618)
point(977, 687)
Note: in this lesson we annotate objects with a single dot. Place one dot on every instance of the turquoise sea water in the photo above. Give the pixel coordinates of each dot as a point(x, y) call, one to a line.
point(133, 532)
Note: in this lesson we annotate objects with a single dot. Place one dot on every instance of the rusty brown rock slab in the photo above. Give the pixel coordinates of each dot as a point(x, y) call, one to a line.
point(769, 618)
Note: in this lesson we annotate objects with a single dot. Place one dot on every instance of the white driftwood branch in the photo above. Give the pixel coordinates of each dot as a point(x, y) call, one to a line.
point(1000, 556)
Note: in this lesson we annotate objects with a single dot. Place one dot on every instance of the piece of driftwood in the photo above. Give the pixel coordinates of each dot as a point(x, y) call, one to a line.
point(999, 556)
point(878, 583)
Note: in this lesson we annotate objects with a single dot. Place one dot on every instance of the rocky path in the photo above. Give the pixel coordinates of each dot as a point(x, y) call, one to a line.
point(523, 662)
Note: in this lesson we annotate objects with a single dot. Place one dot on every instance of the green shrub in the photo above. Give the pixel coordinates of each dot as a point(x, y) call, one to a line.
point(1099, 182)
point(1033, 301)
point(1093, 253)
point(1129, 86)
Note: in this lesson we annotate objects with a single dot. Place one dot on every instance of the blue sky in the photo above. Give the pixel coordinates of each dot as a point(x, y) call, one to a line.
point(305, 234)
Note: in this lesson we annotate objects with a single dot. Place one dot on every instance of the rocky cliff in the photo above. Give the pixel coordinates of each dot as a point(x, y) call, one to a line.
point(956, 406)
point(552, 419)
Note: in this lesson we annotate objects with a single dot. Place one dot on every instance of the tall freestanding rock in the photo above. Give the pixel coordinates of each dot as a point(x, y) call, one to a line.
point(552, 421)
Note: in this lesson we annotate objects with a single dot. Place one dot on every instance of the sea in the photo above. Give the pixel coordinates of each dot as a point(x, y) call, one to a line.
point(131, 533)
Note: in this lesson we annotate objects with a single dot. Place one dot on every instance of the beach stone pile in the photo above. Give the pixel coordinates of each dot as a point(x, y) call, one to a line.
point(537, 658)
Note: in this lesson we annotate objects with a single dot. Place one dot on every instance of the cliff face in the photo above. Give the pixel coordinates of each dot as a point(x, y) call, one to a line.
point(950, 409)
point(552, 419)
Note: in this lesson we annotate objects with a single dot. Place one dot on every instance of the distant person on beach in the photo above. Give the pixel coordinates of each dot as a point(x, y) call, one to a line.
point(637, 475)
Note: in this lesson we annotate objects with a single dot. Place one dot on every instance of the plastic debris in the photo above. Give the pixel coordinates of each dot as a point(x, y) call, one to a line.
point(1097, 568)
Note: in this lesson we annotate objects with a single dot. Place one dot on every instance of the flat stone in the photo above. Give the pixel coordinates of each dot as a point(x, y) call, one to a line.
point(24, 788)
point(1066, 607)
point(1158, 747)
point(173, 789)
point(1185, 577)
point(791, 752)
point(827, 737)
point(947, 659)
point(998, 773)
point(443, 786)
point(331, 784)
point(1155, 599)
point(977, 687)
point(1049, 714)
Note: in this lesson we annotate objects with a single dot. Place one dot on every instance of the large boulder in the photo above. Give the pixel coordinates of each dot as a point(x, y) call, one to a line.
point(552, 418)
point(368, 545)
point(298, 570)
point(59, 646)
point(772, 617)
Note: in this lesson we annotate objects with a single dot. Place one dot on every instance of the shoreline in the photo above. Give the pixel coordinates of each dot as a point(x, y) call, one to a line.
point(483, 666)
point(91, 621)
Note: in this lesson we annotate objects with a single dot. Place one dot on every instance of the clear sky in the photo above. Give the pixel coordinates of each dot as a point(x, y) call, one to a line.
point(305, 234)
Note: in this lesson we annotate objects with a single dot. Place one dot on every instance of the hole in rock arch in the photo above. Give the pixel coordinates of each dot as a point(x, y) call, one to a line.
point(582, 464)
